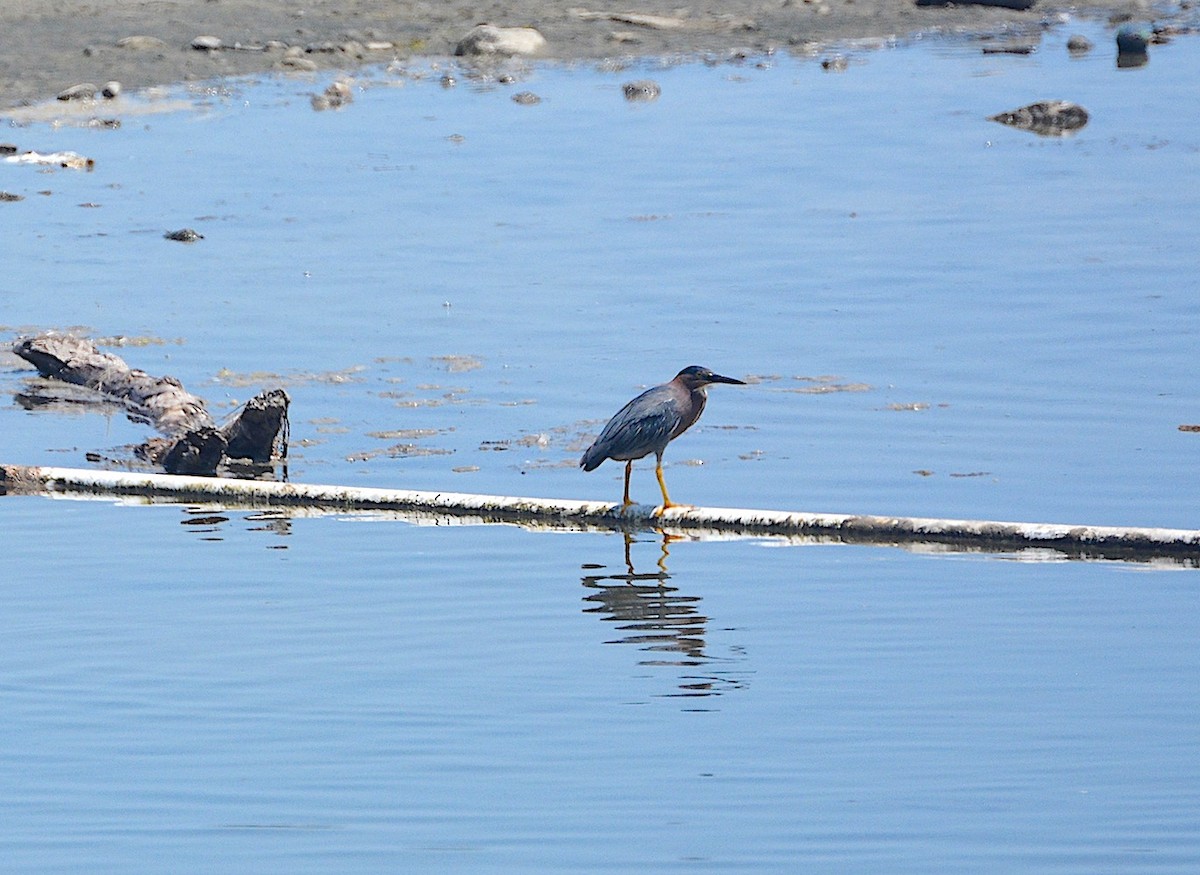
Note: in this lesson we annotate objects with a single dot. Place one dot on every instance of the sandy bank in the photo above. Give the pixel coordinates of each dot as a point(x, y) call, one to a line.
point(50, 45)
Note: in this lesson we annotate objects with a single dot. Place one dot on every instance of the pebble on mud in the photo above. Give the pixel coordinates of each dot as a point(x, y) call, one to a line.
point(141, 43)
point(1048, 118)
point(184, 235)
point(206, 43)
point(643, 89)
point(82, 91)
point(292, 62)
point(111, 90)
point(488, 39)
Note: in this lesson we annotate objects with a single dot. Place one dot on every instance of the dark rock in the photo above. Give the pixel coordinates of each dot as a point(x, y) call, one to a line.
point(1132, 39)
point(1049, 118)
point(184, 235)
point(1011, 49)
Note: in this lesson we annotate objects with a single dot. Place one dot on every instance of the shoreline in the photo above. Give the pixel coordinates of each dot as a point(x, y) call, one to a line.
point(48, 48)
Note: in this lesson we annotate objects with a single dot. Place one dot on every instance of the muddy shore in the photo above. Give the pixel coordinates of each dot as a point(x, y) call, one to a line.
point(47, 46)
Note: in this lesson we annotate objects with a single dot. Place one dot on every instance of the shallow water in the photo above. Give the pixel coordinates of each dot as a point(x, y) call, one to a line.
point(456, 290)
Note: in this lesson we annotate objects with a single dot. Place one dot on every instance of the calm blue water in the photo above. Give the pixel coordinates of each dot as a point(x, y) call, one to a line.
point(484, 283)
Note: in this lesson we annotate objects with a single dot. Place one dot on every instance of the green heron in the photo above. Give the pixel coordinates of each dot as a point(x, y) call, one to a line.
point(651, 421)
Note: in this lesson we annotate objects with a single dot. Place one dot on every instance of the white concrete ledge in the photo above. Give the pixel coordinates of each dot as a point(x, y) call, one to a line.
point(1077, 541)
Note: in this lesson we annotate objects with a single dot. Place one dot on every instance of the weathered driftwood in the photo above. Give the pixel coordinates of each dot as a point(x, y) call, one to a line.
point(1048, 540)
point(193, 444)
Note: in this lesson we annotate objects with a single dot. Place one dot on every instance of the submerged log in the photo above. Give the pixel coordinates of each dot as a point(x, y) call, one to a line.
point(193, 444)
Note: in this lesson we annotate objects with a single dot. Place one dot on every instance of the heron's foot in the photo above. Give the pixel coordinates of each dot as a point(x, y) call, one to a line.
point(669, 505)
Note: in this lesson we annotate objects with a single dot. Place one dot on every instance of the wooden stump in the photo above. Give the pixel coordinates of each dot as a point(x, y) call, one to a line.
point(193, 444)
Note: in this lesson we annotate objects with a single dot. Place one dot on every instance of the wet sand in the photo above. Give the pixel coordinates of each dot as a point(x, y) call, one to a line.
point(47, 46)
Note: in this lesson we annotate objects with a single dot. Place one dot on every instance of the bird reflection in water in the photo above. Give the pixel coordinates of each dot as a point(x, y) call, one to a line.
point(659, 619)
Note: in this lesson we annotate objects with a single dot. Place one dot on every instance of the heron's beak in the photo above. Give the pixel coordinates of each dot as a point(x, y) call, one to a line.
point(717, 378)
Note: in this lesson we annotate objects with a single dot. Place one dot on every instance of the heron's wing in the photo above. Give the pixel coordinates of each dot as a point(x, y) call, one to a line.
point(641, 427)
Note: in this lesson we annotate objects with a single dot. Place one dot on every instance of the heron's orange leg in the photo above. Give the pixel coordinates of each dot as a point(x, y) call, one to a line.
point(662, 484)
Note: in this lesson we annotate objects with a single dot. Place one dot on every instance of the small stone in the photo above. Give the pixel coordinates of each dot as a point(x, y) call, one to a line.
point(526, 98)
point(140, 43)
point(206, 43)
point(300, 64)
point(82, 91)
point(184, 235)
point(7, 197)
point(643, 89)
point(1079, 44)
point(8, 149)
point(274, 45)
point(488, 39)
point(324, 48)
point(448, 81)
point(111, 89)
point(836, 64)
point(377, 45)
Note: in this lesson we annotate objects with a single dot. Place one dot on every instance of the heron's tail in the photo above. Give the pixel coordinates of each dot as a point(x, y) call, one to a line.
point(592, 457)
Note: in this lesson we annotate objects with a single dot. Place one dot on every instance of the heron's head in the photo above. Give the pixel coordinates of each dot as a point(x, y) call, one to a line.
point(695, 377)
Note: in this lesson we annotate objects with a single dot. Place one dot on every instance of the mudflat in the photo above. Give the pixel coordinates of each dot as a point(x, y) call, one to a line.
point(47, 46)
